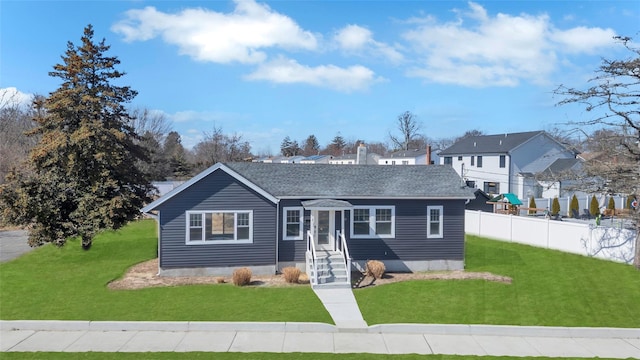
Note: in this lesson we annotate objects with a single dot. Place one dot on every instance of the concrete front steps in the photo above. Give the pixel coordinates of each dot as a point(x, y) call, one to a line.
point(332, 271)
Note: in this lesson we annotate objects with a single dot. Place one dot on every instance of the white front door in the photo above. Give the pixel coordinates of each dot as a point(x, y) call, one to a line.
point(324, 229)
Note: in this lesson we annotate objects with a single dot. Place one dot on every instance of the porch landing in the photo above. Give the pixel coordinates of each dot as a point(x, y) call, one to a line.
point(342, 306)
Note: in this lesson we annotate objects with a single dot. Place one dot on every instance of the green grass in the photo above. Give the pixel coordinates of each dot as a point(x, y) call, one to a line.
point(71, 284)
point(549, 288)
point(247, 356)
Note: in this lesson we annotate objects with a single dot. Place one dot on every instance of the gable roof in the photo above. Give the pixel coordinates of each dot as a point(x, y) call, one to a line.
point(483, 144)
point(326, 181)
point(560, 166)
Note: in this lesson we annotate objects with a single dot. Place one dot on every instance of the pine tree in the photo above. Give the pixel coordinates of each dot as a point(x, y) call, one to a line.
point(82, 176)
point(612, 204)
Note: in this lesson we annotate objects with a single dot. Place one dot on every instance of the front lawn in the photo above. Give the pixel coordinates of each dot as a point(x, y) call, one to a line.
point(549, 288)
point(70, 284)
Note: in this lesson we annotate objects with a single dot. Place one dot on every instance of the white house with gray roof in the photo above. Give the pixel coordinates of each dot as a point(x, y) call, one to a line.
point(322, 218)
point(505, 163)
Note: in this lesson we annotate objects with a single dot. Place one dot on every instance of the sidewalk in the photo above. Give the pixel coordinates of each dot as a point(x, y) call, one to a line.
point(108, 336)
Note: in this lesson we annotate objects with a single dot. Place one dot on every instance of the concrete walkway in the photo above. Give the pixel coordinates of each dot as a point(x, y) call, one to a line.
point(13, 243)
point(342, 306)
point(481, 340)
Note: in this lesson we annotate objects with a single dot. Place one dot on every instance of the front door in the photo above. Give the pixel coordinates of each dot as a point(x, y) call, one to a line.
point(324, 228)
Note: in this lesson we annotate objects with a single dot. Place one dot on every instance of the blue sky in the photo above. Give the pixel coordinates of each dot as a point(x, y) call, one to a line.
point(266, 70)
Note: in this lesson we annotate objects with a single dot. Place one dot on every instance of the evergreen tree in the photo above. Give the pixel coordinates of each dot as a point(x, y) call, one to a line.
point(311, 146)
point(555, 206)
point(594, 207)
point(575, 205)
point(532, 205)
point(176, 156)
point(612, 204)
point(82, 176)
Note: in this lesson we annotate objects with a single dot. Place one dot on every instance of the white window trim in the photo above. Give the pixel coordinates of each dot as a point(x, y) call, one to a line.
point(189, 241)
point(300, 236)
point(440, 234)
point(372, 222)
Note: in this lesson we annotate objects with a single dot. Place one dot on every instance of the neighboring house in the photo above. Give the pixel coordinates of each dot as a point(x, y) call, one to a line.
point(292, 159)
point(562, 179)
point(316, 159)
point(480, 202)
point(269, 216)
point(408, 157)
point(505, 163)
point(360, 158)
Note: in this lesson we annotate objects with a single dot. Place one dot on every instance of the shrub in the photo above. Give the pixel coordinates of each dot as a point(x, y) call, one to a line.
point(612, 204)
point(629, 201)
point(220, 280)
point(594, 206)
point(574, 206)
point(242, 276)
point(555, 206)
point(291, 274)
point(532, 205)
point(375, 268)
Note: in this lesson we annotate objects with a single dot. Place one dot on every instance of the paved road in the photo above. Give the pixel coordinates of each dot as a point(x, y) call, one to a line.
point(480, 340)
point(13, 243)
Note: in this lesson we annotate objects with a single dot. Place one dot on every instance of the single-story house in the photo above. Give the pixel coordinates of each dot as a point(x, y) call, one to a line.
point(269, 216)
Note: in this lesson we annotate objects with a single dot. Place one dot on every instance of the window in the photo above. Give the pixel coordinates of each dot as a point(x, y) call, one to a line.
point(219, 227)
point(434, 222)
point(405, 162)
point(447, 160)
point(479, 161)
point(471, 184)
point(293, 223)
point(503, 160)
point(492, 187)
point(473, 158)
point(460, 158)
point(373, 221)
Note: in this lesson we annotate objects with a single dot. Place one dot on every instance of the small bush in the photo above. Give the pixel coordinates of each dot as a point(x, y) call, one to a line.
point(612, 204)
point(220, 280)
point(291, 274)
point(242, 276)
point(375, 268)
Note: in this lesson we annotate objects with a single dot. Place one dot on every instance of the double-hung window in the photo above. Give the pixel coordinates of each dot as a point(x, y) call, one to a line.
point(219, 227)
point(373, 222)
point(434, 221)
point(292, 223)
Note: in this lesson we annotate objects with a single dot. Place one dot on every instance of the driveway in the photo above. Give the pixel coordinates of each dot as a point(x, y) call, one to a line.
point(13, 243)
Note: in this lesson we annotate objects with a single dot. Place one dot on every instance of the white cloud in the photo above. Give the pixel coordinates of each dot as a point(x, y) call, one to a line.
point(583, 40)
point(502, 50)
point(241, 36)
point(357, 39)
point(288, 71)
point(11, 96)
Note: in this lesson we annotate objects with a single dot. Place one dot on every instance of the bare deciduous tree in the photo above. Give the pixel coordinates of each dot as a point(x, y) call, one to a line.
point(408, 126)
point(613, 99)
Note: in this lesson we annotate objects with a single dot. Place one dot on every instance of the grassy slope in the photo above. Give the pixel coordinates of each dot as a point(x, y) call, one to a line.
point(549, 288)
point(68, 283)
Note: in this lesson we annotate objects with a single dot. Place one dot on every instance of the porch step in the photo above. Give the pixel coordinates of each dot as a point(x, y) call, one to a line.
point(331, 270)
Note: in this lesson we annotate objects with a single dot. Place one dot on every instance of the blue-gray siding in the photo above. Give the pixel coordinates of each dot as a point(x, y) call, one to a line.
point(218, 191)
point(410, 243)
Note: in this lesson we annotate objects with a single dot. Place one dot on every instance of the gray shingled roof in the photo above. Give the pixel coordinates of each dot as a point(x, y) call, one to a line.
point(355, 181)
point(500, 143)
point(560, 166)
point(407, 153)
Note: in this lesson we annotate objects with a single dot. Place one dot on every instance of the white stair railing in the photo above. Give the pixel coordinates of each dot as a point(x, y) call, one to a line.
point(312, 258)
point(341, 246)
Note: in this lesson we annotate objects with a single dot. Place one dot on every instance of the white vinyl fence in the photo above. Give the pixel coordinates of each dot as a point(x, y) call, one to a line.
point(610, 243)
